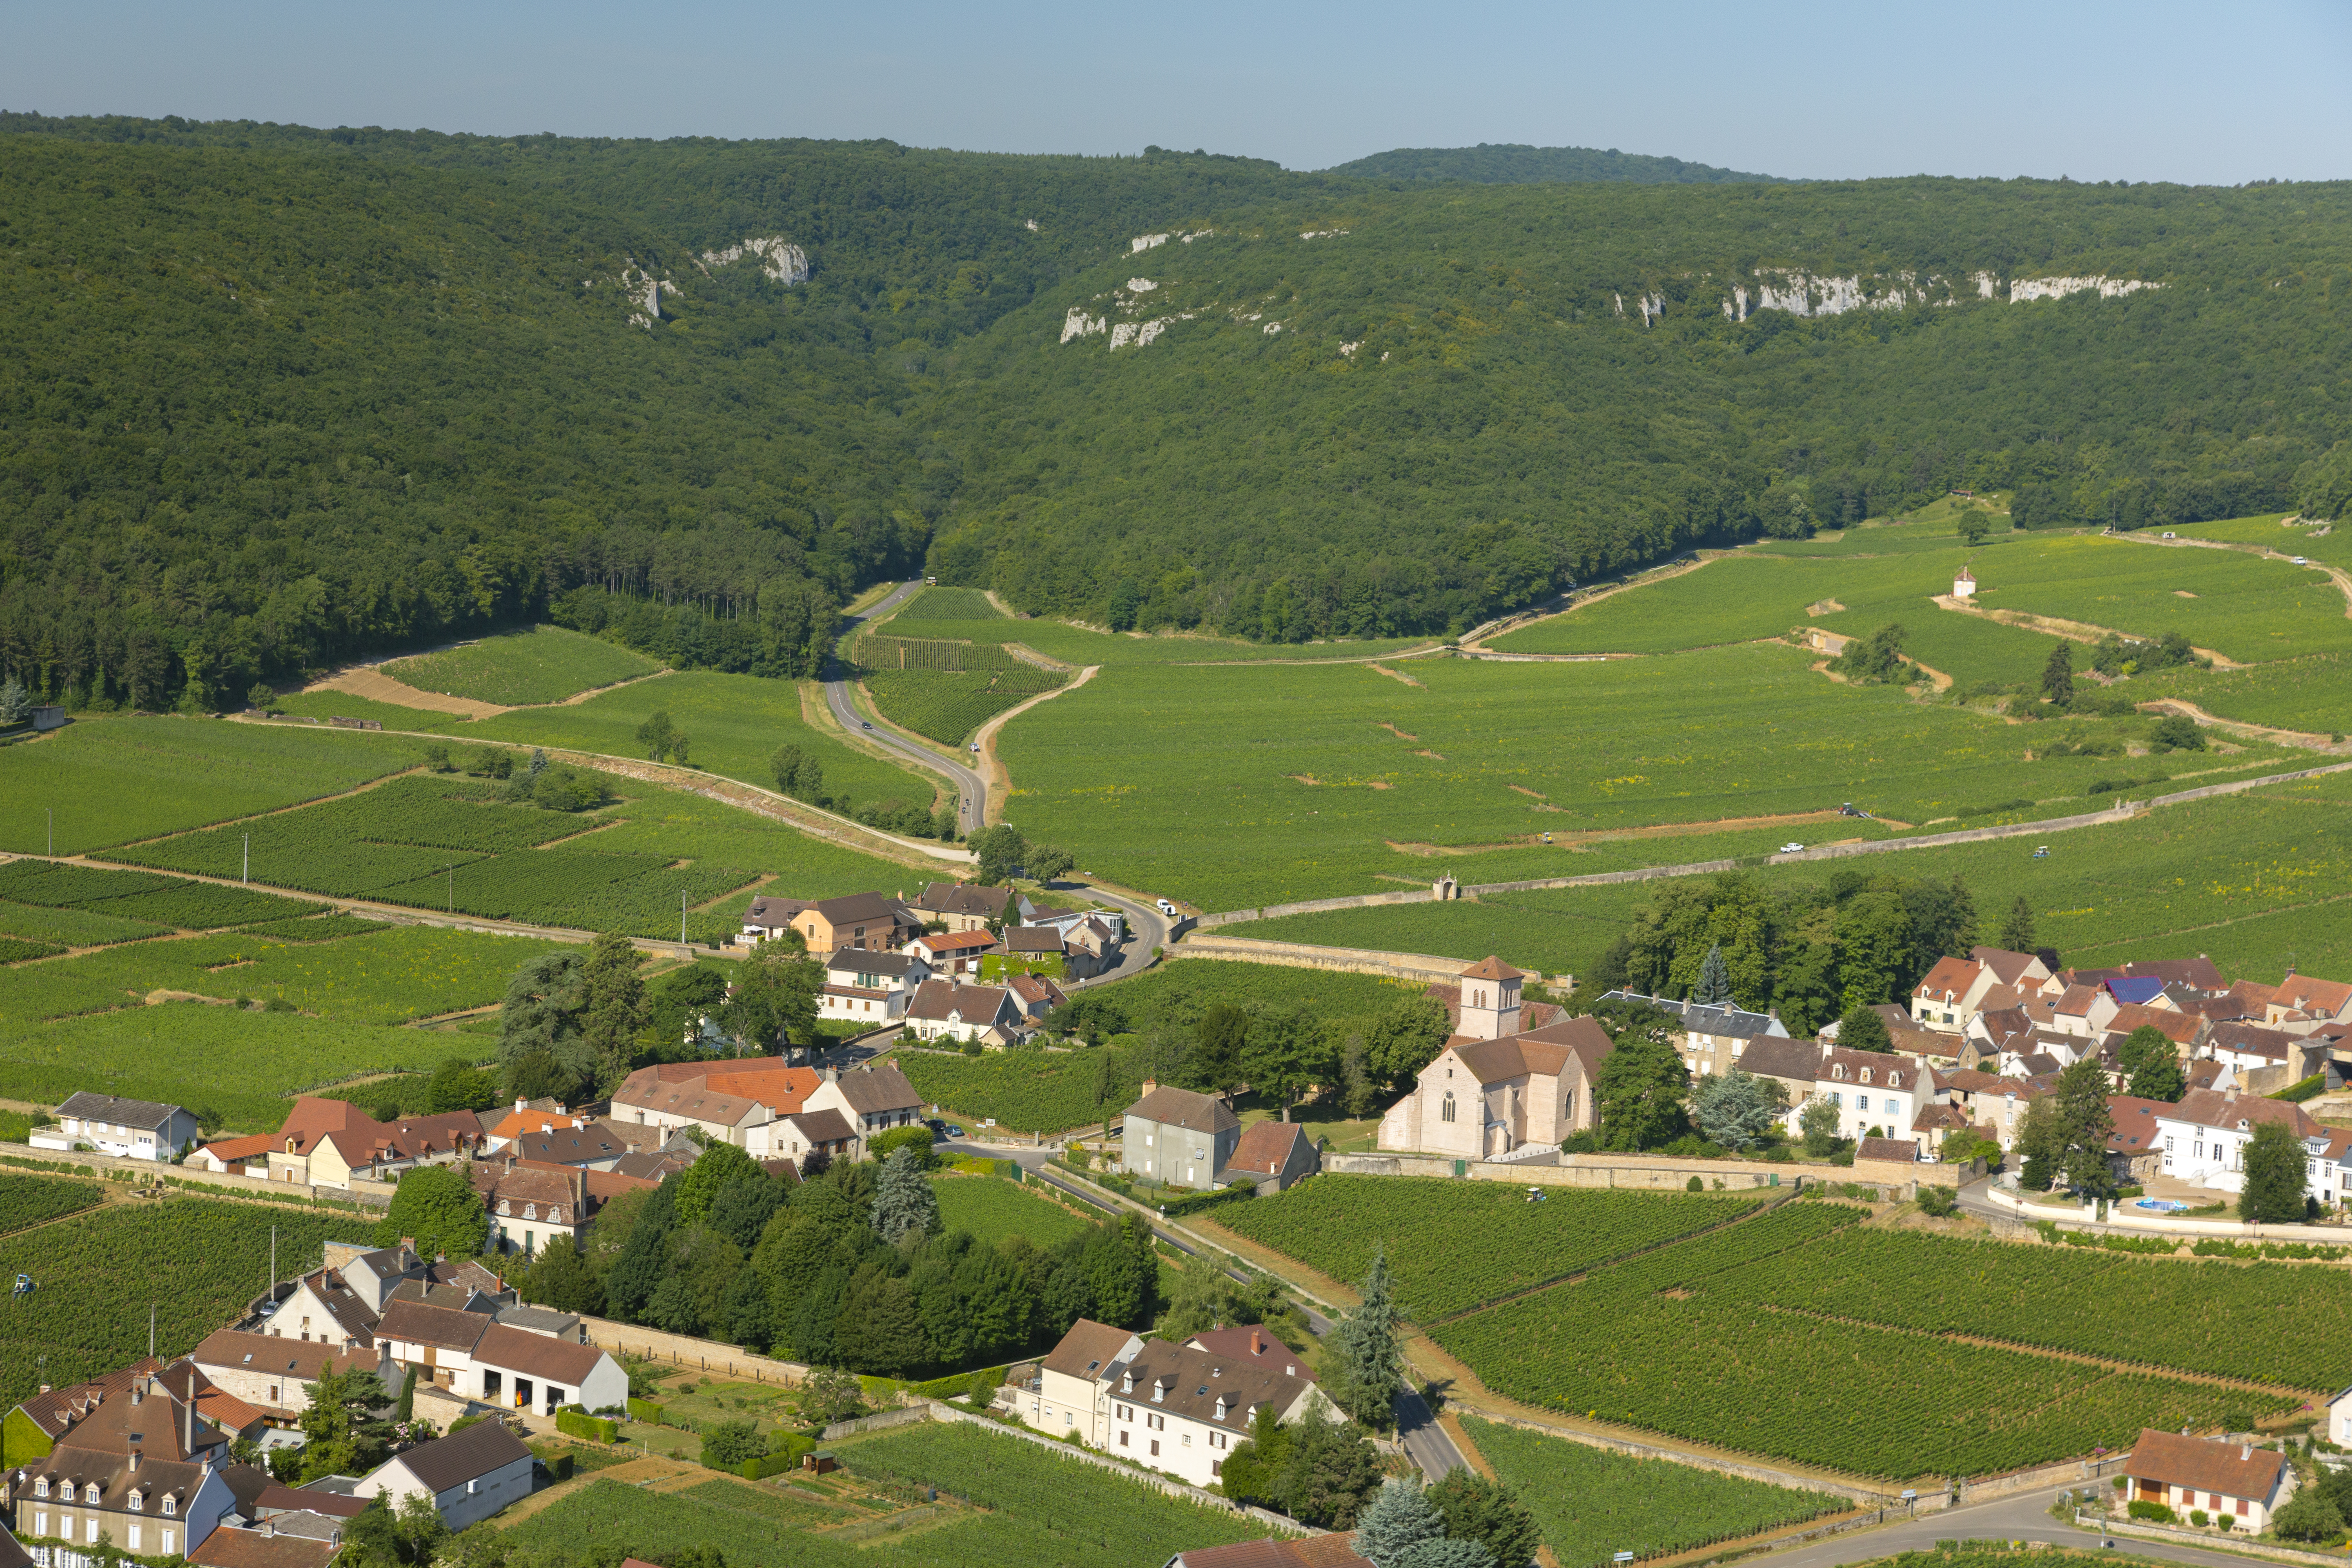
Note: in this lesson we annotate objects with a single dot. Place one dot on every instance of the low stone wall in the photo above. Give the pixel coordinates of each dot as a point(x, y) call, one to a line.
point(1857, 1491)
point(2125, 1221)
point(900, 1417)
point(679, 1350)
point(1317, 906)
point(1420, 968)
point(1657, 1171)
point(2237, 1543)
point(114, 1167)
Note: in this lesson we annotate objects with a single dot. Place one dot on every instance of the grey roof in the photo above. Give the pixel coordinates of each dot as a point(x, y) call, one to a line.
point(852, 907)
point(540, 1319)
point(1173, 1107)
point(1190, 1382)
point(449, 1462)
point(1705, 1018)
point(874, 1088)
point(1032, 939)
point(89, 1107)
point(1799, 1060)
point(964, 899)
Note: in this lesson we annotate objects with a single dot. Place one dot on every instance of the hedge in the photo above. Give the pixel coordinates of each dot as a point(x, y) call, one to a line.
point(1199, 1201)
point(575, 1422)
point(646, 1411)
point(778, 1460)
point(2299, 1092)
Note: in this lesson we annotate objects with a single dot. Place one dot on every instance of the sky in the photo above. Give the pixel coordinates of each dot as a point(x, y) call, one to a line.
point(2159, 90)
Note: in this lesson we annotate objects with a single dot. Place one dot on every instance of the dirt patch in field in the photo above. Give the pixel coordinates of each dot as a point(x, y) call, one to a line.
point(994, 774)
point(2182, 594)
point(1398, 675)
point(1662, 830)
point(1304, 778)
point(1433, 756)
point(1399, 734)
point(373, 684)
point(2239, 726)
point(1382, 784)
point(1823, 607)
point(1523, 789)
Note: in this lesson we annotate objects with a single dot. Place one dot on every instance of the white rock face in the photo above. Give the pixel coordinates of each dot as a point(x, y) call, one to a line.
point(1351, 348)
point(1141, 285)
point(1621, 302)
point(1652, 307)
point(1735, 308)
point(777, 257)
point(1984, 282)
point(1030, 224)
point(1272, 327)
point(1140, 333)
point(2021, 289)
point(1322, 233)
point(1146, 241)
point(1199, 234)
point(1078, 324)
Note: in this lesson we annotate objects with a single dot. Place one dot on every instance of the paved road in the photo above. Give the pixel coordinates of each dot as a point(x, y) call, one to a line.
point(972, 805)
point(1424, 1441)
point(2025, 1517)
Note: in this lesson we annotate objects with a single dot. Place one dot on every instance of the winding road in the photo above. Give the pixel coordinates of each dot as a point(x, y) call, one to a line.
point(1148, 929)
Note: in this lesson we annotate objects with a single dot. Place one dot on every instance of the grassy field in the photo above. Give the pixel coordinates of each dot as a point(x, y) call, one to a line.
point(1591, 1503)
point(2256, 882)
point(735, 722)
point(1235, 788)
point(325, 705)
point(992, 1209)
point(197, 1260)
point(1335, 1223)
point(114, 781)
point(1028, 1507)
point(530, 665)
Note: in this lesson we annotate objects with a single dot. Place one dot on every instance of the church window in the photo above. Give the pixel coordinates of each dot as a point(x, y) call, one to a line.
point(1446, 1111)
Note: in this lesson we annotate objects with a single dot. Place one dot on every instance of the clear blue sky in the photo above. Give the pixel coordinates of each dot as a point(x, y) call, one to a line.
point(2161, 90)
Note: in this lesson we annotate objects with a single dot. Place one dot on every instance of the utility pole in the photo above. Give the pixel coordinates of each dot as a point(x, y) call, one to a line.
point(681, 918)
point(452, 869)
point(53, 829)
point(245, 873)
point(150, 1330)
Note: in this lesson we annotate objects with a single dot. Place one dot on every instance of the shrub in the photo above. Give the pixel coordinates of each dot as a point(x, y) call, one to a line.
point(2200, 1518)
point(574, 1422)
point(2226, 1522)
point(1693, 1185)
point(2236, 1420)
point(1939, 1202)
point(646, 1411)
point(730, 1444)
point(2155, 1512)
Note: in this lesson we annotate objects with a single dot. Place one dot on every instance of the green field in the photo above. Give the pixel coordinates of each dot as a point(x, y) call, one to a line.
point(531, 665)
point(1191, 781)
point(945, 690)
point(2248, 879)
point(1029, 1507)
point(735, 723)
point(950, 605)
point(2312, 693)
point(198, 1262)
point(1592, 1503)
point(1453, 1244)
point(992, 1209)
point(325, 705)
point(114, 781)
point(2240, 606)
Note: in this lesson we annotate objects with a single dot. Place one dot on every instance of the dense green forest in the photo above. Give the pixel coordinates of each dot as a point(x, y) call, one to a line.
point(271, 395)
point(1517, 163)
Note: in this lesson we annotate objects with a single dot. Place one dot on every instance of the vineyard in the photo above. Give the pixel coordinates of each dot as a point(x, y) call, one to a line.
point(453, 844)
point(1024, 1091)
point(69, 927)
point(1041, 1507)
point(991, 1208)
point(536, 664)
point(950, 605)
point(946, 689)
point(197, 1260)
point(34, 1200)
point(1453, 1244)
point(2187, 1317)
point(165, 902)
point(1623, 1344)
point(1592, 1503)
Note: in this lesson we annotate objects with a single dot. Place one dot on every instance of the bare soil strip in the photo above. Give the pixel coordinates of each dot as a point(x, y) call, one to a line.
point(2072, 631)
point(2316, 743)
point(1605, 835)
point(992, 771)
point(1398, 675)
point(366, 680)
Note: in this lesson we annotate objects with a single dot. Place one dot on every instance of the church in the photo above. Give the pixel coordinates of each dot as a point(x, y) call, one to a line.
point(1497, 1088)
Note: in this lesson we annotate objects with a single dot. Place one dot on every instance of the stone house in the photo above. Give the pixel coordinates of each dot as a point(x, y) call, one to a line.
point(1177, 1137)
point(942, 1010)
point(1276, 1155)
point(2237, 1480)
point(468, 1477)
point(970, 906)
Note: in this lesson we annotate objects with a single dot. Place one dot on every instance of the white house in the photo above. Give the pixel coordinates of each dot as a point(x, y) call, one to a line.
point(1871, 1090)
point(943, 1010)
point(2236, 1480)
point(871, 988)
point(474, 1355)
point(1168, 1407)
point(2205, 1136)
point(468, 1477)
point(132, 1128)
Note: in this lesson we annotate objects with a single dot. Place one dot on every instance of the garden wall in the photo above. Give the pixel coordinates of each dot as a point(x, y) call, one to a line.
point(115, 1167)
point(1652, 1171)
point(1420, 968)
point(679, 1350)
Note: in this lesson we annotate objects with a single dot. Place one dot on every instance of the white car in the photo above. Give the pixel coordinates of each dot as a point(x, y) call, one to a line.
point(1791, 848)
point(2303, 560)
point(1165, 907)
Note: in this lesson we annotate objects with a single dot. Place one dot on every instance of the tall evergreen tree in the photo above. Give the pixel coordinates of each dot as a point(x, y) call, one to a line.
point(1714, 987)
point(2084, 1126)
point(904, 1203)
point(614, 1009)
point(1488, 1512)
point(2017, 927)
point(1400, 1517)
point(1372, 1349)
point(2058, 675)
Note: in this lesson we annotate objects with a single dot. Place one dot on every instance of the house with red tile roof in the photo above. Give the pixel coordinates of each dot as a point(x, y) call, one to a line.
point(2244, 1483)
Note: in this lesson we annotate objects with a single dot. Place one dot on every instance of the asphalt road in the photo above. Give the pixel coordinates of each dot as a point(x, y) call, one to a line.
point(1424, 1441)
point(972, 805)
point(2025, 1517)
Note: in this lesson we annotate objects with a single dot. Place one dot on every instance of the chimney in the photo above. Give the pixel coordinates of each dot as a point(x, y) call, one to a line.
point(139, 1391)
point(188, 1422)
point(521, 1105)
point(134, 1461)
point(1257, 1345)
point(1150, 1084)
point(269, 1525)
point(2245, 1452)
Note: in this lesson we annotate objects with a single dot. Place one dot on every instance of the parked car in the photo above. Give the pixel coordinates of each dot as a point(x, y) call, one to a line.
point(939, 1128)
point(2303, 560)
point(955, 1132)
point(1791, 848)
point(868, 723)
point(1166, 908)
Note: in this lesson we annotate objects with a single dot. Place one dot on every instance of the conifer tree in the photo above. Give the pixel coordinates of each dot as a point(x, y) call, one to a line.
point(904, 1203)
point(1372, 1355)
point(1713, 989)
point(1398, 1519)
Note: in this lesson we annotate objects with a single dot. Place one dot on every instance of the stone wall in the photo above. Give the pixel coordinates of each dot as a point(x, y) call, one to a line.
point(1420, 968)
point(1654, 1172)
point(679, 1350)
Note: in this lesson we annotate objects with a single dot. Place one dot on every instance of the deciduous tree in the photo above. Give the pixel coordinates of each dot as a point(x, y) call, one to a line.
point(2276, 1175)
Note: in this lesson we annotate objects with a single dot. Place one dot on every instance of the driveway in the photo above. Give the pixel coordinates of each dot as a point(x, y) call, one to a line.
point(2025, 1517)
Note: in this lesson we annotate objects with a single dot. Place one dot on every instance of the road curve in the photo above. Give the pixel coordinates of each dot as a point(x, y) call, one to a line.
point(1148, 929)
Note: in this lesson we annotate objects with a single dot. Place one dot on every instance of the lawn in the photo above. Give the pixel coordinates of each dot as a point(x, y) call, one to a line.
point(2256, 881)
point(530, 665)
point(992, 1209)
point(1237, 788)
point(1591, 1503)
point(114, 781)
point(197, 1261)
point(735, 724)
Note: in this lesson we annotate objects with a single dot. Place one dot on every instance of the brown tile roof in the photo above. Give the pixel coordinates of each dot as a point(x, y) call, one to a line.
point(1032, 939)
point(1884, 1070)
point(964, 899)
point(1266, 1147)
point(1254, 1344)
point(2172, 1023)
point(1947, 981)
point(515, 1123)
point(2205, 1072)
point(1086, 1349)
point(1191, 1382)
point(1492, 968)
point(876, 1087)
point(55, 1411)
point(1772, 1057)
point(417, 1323)
point(2135, 1120)
point(304, 1500)
point(2213, 1107)
point(2310, 993)
point(960, 941)
point(1903, 1149)
point(2008, 968)
point(228, 1546)
point(826, 1126)
point(449, 1462)
point(303, 1361)
point(232, 1150)
point(352, 1314)
point(569, 1145)
point(1174, 1107)
point(1035, 990)
point(2252, 1039)
point(852, 908)
point(935, 1001)
point(782, 1090)
point(2230, 1469)
point(644, 1089)
point(563, 1362)
point(1544, 1050)
point(2077, 1001)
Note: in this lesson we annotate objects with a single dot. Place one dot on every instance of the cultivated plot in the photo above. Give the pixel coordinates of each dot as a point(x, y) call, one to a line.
point(530, 665)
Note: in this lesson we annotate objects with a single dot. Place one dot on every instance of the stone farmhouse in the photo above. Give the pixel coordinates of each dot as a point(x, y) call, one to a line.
point(872, 988)
point(527, 1360)
point(944, 1010)
point(969, 905)
point(1177, 1137)
point(1494, 1088)
point(755, 1102)
point(132, 1463)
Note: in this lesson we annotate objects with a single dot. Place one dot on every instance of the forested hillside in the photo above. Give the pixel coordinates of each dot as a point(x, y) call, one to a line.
point(1517, 163)
point(272, 395)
